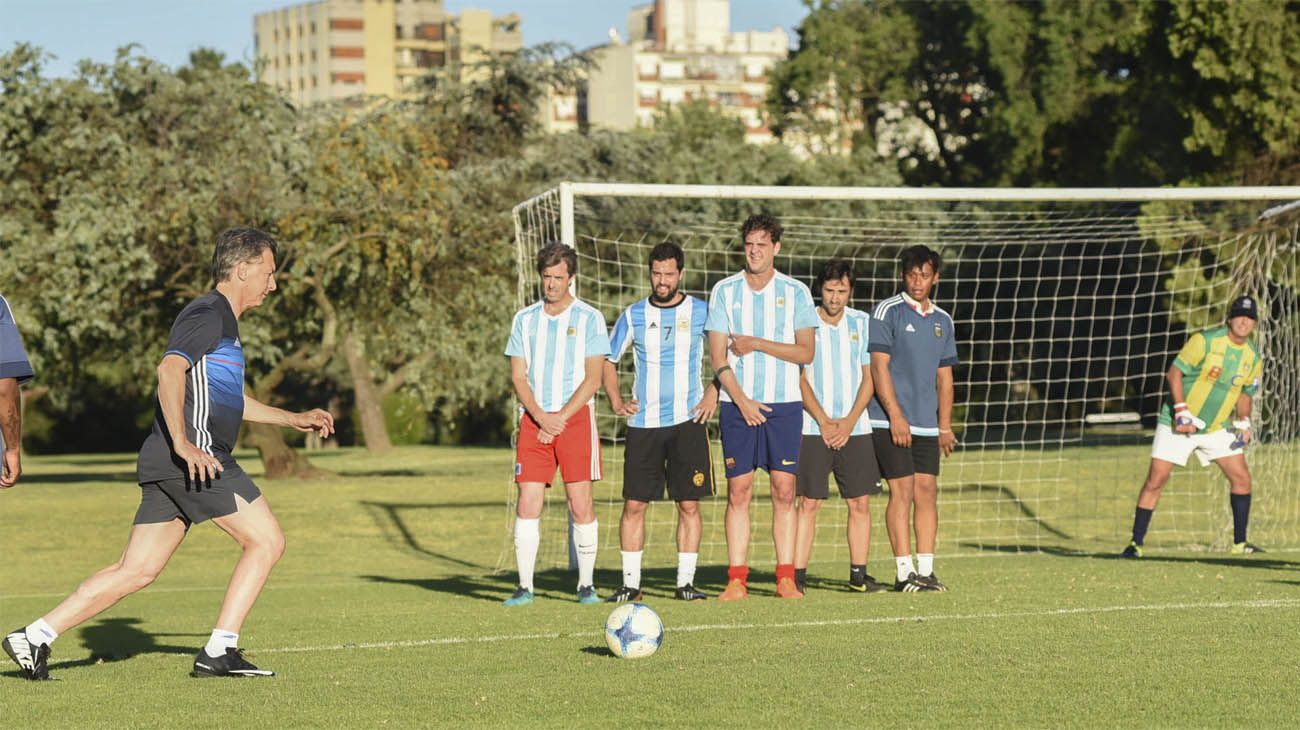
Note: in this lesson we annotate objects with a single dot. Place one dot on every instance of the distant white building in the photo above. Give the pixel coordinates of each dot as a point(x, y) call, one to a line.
point(681, 50)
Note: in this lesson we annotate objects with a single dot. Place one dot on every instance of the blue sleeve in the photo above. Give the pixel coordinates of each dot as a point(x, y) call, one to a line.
point(621, 337)
point(949, 357)
point(515, 345)
point(13, 358)
point(597, 335)
point(195, 333)
point(717, 321)
point(865, 337)
point(805, 314)
point(882, 332)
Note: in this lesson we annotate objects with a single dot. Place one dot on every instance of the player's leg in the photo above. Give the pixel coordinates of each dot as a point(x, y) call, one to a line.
point(739, 446)
point(535, 465)
point(148, 549)
point(690, 529)
point(631, 537)
point(1238, 474)
point(782, 438)
point(805, 535)
point(899, 472)
point(925, 498)
point(1157, 477)
point(858, 476)
point(578, 451)
point(811, 489)
point(689, 479)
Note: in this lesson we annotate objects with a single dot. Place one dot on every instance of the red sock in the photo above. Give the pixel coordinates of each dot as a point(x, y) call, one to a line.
point(738, 572)
point(785, 570)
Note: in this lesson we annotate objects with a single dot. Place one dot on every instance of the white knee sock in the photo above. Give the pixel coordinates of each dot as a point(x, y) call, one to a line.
point(527, 536)
point(686, 568)
point(220, 641)
point(39, 632)
point(905, 567)
point(632, 568)
point(924, 564)
point(585, 539)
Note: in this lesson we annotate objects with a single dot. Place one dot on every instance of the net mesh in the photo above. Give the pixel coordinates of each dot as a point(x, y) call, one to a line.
point(1067, 317)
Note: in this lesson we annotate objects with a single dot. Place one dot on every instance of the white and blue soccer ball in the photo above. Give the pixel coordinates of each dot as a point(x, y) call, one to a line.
point(633, 630)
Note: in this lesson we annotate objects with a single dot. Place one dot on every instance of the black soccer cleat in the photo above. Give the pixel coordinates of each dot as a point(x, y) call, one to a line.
point(689, 593)
point(866, 585)
point(32, 659)
point(913, 584)
point(624, 594)
point(1132, 552)
point(232, 664)
point(933, 581)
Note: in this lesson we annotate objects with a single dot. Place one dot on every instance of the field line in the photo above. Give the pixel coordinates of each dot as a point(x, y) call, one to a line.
point(691, 628)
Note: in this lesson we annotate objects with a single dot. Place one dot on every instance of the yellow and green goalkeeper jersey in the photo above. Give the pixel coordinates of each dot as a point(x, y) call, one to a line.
point(1215, 373)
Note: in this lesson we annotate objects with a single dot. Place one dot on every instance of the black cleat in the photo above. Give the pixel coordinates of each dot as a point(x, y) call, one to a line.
point(867, 585)
point(802, 585)
point(933, 581)
point(913, 584)
point(624, 594)
point(689, 593)
point(232, 664)
point(32, 659)
point(1132, 552)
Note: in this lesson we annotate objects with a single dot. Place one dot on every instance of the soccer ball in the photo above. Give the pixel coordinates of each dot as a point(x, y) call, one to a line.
point(633, 630)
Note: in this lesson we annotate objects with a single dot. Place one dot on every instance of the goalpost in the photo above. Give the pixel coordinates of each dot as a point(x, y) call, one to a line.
point(1069, 306)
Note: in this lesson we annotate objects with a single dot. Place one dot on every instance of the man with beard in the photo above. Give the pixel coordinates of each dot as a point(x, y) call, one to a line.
point(667, 441)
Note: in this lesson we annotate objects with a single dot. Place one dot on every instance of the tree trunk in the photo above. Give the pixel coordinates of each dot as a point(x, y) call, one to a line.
point(278, 459)
point(369, 400)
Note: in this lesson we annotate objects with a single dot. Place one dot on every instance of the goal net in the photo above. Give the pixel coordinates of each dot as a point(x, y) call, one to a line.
point(1069, 306)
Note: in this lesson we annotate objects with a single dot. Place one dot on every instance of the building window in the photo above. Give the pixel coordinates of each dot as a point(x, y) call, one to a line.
point(397, 32)
point(313, 55)
point(429, 31)
point(347, 52)
point(430, 59)
point(348, 77)
point(347, 24)
point(313, 27)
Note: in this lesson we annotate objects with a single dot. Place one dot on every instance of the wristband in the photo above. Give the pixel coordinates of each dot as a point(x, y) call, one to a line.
point(945, 430)
point(718, 373)
point(1241, 424)
point(1180, 407)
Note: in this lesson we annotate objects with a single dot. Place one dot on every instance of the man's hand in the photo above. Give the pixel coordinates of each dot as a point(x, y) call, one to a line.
point(11, 469)
point(544, 437)
point(704, 410)
point(743, 344)
point(1242, 427)
point(900, 431)
point(752, 411)
point(199, 464)
point(551, 423)
point(835, 433)
point(627, 408)
point(317, 419)
point(947, 442)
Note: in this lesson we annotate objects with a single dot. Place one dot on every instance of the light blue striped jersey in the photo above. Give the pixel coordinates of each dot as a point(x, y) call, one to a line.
point(668, 344)
point(836, 370)
point(556, 348)
point(775, 313)
point(918, 343)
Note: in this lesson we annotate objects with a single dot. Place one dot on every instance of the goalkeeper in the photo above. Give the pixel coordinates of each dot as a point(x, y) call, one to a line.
point(1223, 367)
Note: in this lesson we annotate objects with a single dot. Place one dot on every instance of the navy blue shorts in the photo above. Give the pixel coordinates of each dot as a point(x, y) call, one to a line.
point(773, 446)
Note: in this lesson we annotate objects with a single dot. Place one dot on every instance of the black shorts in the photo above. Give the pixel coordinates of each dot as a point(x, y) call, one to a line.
point(854, 466)
point(677, 456)
point(896, 462)
point(164, 501)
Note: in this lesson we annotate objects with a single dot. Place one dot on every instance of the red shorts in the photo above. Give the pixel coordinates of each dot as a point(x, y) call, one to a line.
point(576, 451)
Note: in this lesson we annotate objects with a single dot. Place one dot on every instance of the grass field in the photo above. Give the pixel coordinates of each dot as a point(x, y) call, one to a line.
point(385, 613)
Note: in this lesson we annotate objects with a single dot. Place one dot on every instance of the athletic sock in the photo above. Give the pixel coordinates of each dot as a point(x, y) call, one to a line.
point(800, 575)
point(686, 568)
point(785, 570)
point(1141, 521)
point(220, 641)
point(738, 572)
point(585, 538)
point(905, 567)
point(527, 537)
point(40, 632)
point(857, 574)
point(1240, 516)
point(924, 564)
point(632, 568)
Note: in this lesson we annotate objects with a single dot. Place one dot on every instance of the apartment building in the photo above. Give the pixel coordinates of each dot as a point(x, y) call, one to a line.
point(334, 49)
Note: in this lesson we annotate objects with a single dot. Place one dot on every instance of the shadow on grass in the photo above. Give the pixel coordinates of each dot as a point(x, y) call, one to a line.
point(657, 584)
point(119, 639)
point(389, 517)
point(1253, 561)
point(383, 473)
point(1004, 492)
point(79, 477)
point(598, 651)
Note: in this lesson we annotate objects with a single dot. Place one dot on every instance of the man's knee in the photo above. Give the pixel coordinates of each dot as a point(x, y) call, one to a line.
point(858, 507)
point(137, 577)
point(739, 493)
point(809, 506)
point(688, 508)
point(634, 509)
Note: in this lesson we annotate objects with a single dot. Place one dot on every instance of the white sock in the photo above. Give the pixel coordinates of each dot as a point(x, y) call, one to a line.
point(528, 535)
point(904, 566)
point(686, 568)
point(632, 568)
point(924, 564)
point(585, 539)
point(220, 641)
point(39, 632)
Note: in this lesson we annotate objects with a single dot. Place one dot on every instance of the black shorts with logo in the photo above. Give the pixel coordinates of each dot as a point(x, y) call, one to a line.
point(676, 456)
point(854, 467)
point(192, 502)
point(922, 457)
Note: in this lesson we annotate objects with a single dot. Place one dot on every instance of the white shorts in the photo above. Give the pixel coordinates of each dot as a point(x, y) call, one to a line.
point(1176, 447)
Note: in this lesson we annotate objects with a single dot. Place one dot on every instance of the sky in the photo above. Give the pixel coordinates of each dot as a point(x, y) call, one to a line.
point(169, 29)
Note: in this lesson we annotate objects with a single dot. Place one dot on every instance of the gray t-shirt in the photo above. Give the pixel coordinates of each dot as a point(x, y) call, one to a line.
point(918, 345)
point(13, 358)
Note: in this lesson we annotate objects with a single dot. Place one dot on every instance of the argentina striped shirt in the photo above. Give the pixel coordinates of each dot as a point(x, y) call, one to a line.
point(668, 344)
point(836, 370)
point(781, 308)
point(555, 349)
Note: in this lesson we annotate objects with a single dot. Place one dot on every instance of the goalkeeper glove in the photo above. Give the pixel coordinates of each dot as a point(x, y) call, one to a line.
point(1184, 417)
point(1241, 428)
